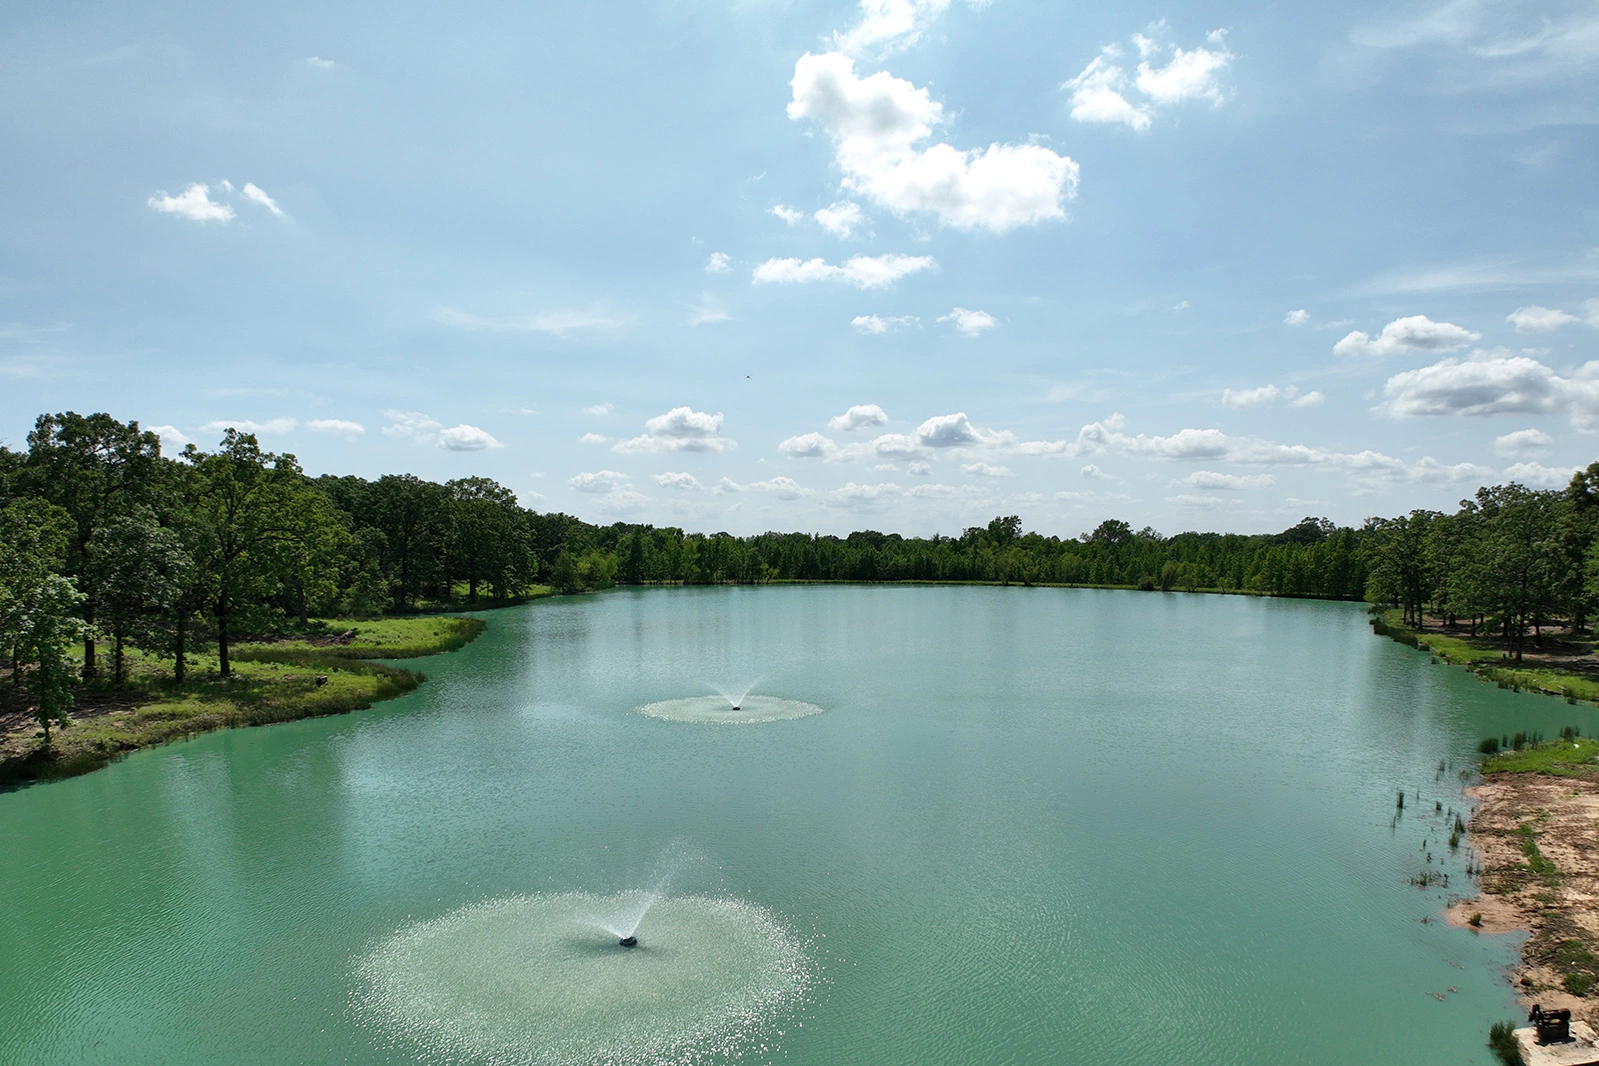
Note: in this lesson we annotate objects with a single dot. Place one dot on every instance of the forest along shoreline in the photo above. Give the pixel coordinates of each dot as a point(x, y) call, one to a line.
point(323, 669)
point(1534, 827)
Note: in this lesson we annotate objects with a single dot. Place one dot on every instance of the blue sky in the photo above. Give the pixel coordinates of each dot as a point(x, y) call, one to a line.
point(898, 264)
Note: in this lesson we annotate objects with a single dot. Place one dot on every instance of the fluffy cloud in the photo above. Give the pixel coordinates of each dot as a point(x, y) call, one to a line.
point(841, 219)
point(878, 122)
point(682, 429)
point(410, 424)
point(1414, 333)
point(784, 488)
point(877, 325)
point(808, 446)
point(981, 469)
point(1265, 394)
point(787, 214)
point(676, 480)
point(1094, 473)
point(1249, 397)
point(1296, 318)
point(970, 323)
point(1103, 91)
point(861, 271)
point(920, 469)
point(193, 203)
point(1523, 443)
point(594, 438)
point(602, 481)
point(336, 425)
point(860, 416)
point(171, 437)
point(718, 263)
point(1366, 468)
point(1539, 476)
point(465, 438)
point(245, 425)
point(948, 431)
point(889, 25)
point(559, 323)
point(597, 409)
point(1494, 383)
point(1210, 479)
point(1537, 319)
point(253, 193)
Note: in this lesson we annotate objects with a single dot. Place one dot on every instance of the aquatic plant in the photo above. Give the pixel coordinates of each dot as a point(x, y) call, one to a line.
point(1503, 1043)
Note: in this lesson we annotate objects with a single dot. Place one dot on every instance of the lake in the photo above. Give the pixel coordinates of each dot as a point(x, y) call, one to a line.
point(1027, 826)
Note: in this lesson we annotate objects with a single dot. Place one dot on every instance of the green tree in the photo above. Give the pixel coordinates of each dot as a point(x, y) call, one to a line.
point(94, 468)
point(37, 604)
point(140, 572)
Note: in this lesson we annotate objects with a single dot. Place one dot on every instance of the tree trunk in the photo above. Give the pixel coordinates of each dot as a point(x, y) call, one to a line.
point(181, 627)
point(299, 594)
point(88, 650)
point(226, 668)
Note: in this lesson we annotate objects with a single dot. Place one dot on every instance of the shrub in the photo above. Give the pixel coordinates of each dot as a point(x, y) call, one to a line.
point(1503, 1043)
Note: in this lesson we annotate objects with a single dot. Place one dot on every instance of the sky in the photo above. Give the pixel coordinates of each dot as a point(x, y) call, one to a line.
point(753, 265)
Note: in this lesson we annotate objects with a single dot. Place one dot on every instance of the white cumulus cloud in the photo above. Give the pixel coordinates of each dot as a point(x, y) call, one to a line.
point(1313, 398)
point(171, 437)
point(253, 193)
point(245, 425)
point(599, 481)
point(1537, 319)
point(1296, 318)
point(1493, 383)
point(982, 469)
point(889, 25)
point(878, 123)
point(841, 219)
point(597, 409)
point(678, 480)
point(594, 438)
point(1413, 333)
point(1106, 92)
point(970, 323)
point(860, 416)
point(193, 203)
point(410, 424)
point(1249, 397)
point(465, 438)
point(336, 425)
point(877, 325)
point(787, 214)
point(861, 271)
point(1210, 479)
point(808, 446)
point(718, 263)
point(1523, 443)
point(682, 429)
point(1539, 476)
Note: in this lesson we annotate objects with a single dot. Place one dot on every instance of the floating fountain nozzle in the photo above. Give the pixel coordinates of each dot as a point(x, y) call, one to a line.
point(735, 706)
point(629, 941)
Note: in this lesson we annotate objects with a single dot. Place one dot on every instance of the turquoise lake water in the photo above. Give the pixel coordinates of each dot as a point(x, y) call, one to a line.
point(1028, 826)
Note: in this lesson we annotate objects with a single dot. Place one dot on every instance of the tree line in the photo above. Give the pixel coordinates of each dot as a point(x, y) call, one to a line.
point(107, 543)
point(1510, 561)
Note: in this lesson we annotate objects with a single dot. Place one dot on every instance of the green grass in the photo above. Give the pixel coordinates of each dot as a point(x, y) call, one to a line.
point(276, 681)
point(1536, 861)
point(382, 638)
point(1578, 757)
point(1486, 659)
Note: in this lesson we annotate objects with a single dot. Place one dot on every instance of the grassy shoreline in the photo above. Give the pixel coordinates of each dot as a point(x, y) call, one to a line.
point(1486, 658)
point(278, 680)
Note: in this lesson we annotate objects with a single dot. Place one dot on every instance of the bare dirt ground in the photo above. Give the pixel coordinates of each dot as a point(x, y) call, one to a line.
point(1559, 907)
point(1552, 647)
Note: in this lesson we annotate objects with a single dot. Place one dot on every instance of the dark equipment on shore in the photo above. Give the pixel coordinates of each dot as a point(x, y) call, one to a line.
point(1554, 1026)
point(632, 942)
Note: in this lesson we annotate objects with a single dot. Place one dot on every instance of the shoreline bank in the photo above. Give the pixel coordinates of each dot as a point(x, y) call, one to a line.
point(276, 680)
